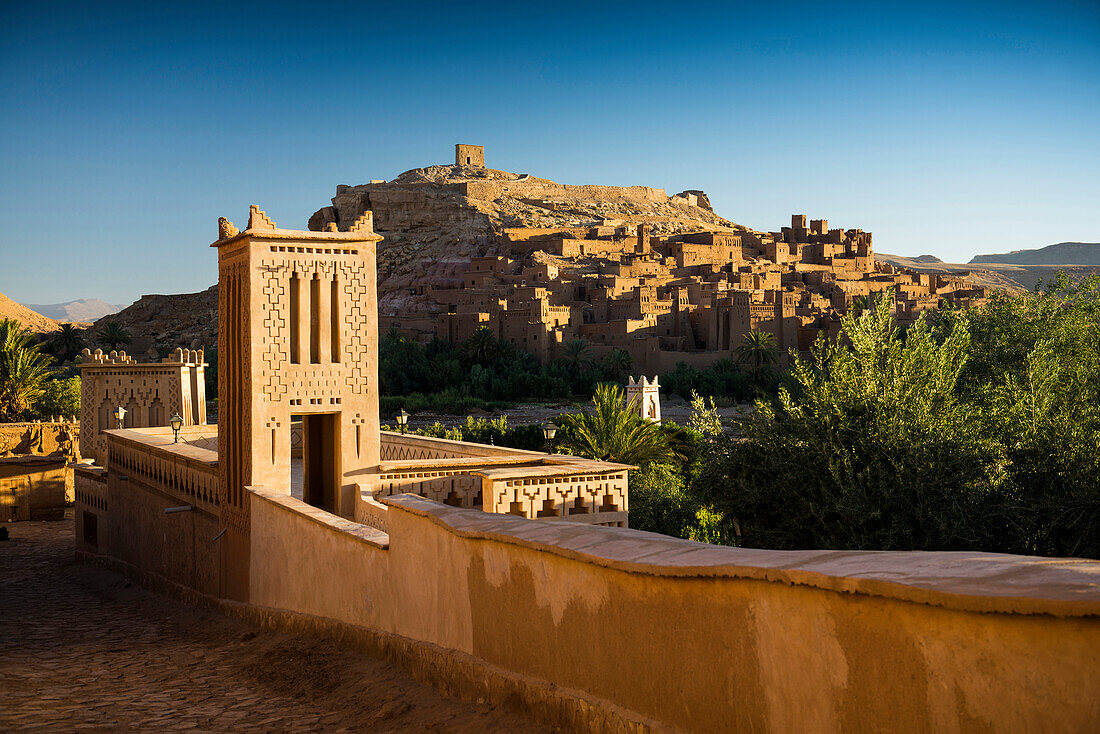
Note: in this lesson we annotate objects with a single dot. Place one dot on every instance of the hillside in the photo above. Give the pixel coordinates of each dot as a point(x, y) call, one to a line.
point(9, 309)
point(82, 310)
point(168, 321)
point(435, 219)
point(1063, 253)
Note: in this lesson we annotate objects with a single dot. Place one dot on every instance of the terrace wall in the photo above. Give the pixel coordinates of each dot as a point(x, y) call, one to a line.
point(651, 631)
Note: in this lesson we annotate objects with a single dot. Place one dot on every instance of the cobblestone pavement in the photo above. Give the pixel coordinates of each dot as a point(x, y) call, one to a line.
point(84, 650)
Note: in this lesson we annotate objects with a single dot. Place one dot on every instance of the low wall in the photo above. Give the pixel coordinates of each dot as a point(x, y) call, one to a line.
point(34, 487)
point(409, 447)
point(703, 638)
point(58, 437)
point(126, 506)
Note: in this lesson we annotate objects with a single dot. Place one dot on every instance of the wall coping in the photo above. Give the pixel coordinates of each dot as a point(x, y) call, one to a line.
point(363, 533)
point(160, 441)
point(960, 580)
point(465, 446)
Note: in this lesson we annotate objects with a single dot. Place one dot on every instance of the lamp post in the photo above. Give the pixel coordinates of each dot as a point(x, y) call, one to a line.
point(549, 430)
point(176, 423)
point(402, 420)
point(120, 413)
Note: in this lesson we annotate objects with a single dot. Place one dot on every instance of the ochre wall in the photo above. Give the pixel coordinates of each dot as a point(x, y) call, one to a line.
point(177, 546)
point(704, 638)
point(34, 488)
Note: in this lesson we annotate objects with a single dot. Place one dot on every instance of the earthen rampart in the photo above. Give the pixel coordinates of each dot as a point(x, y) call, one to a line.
point(868, 641)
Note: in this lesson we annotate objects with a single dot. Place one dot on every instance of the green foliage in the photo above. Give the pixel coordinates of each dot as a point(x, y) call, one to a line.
point(484, 371)
point(23, 371)
point(59, 397)
point(112, 335)
point(614, 432)
point(66, 342)
point(758, 349)
point(968, 431)
point(704, 416)
point(658, 502)
point(721, 379)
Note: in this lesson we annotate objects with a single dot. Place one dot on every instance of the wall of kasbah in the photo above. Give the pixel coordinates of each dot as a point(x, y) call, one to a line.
point(681, 642)
point(34, 488)
point(133, 527)
point(492, 189)
point(39, 438)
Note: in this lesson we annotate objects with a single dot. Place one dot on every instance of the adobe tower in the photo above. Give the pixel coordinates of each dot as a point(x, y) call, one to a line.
point(298, 337)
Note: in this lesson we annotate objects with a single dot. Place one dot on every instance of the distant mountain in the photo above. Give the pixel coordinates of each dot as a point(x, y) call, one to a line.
point(1064, 253)
point(84, 309)
point(927, 259)
point(32, 320)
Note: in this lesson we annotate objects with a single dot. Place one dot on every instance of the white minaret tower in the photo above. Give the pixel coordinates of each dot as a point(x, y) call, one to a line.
point(646, 396)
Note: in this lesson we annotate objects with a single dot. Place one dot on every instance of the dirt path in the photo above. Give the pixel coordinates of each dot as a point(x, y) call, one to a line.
point(84, 650)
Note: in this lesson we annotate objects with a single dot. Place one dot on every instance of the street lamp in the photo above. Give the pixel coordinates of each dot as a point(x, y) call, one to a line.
point(176, 423)
point(402, 420)
point(120, 413)
point(549, 430)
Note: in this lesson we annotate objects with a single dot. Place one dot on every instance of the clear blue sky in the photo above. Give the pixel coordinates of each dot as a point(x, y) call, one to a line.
point(953, 129)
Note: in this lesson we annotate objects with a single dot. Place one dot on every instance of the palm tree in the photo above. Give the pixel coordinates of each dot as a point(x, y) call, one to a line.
point(67, 342)
point(614, 431)
point(577, 354)
point(23, 371)
point(617, 363)
point(112, 335)
point(482, 347)
point(759, 348)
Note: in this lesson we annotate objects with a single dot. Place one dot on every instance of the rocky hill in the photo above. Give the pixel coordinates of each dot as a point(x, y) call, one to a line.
point(164, 322)
point(9, 309)
point(1063, 253)
point(82, 310)
point(435, 219)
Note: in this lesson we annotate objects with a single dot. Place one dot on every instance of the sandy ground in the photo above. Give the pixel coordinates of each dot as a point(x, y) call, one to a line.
point(84, 650)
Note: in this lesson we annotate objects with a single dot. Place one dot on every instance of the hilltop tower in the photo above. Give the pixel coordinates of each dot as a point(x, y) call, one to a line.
point(470, 155)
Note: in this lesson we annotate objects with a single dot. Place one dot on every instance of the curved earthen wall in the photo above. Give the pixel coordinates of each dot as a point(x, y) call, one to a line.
point(703, 638)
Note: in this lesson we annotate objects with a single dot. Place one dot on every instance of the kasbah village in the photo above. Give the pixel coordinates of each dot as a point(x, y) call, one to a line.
point(298, 566)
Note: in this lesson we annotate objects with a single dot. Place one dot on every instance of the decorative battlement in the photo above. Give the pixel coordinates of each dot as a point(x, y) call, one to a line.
point(261, 226)
point(190, 357)
point(150, 393)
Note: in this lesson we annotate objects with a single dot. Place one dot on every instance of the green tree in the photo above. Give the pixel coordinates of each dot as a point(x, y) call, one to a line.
point(59, 398)
point(614, 431)
point(112, 335)
point(1036, 372)
point(67, 342)
point(704, 416)
point(617, 364)
point(482, 348)
point(23, 371)
point(658, 501)
point(577, 354)
point(759, 349)
point(871, 448)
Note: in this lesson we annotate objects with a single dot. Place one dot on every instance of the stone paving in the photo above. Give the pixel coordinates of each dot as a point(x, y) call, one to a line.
point(84, 650)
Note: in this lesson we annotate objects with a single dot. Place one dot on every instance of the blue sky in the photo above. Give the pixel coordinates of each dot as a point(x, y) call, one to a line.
point(946, 128)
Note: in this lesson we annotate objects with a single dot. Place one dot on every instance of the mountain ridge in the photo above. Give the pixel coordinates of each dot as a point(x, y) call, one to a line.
point(1062, 253)
point(80, 310)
